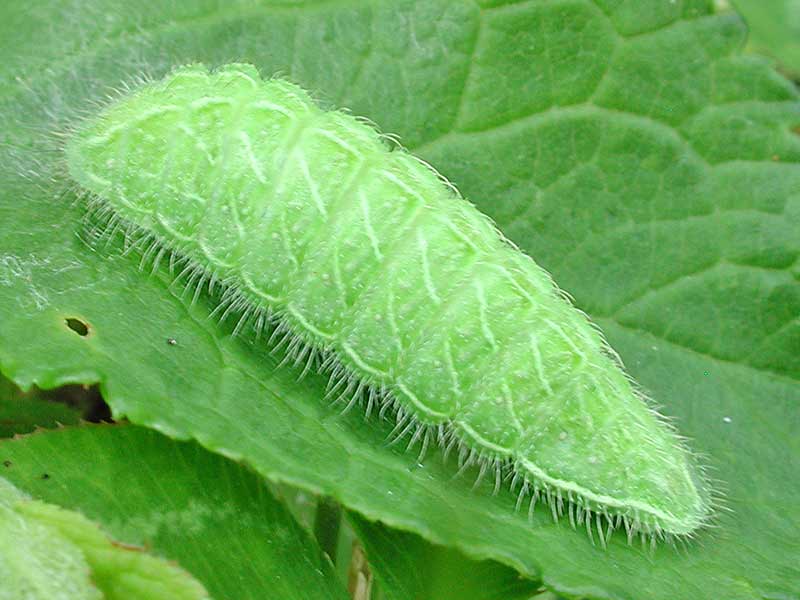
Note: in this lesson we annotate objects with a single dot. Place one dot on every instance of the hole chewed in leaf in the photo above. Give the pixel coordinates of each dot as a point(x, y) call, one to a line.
point(78, 326)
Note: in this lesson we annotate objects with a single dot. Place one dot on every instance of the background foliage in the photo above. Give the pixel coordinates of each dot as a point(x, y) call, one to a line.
point(774, 30)
point(630, 147)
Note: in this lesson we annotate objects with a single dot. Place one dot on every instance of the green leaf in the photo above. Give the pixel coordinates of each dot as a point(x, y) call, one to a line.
point(627, 146)
point(407, 566)
point(774, 30)
point(36, 562)
point(120, 572)
point(215, 518)
point(22, 413)
point(47, 548)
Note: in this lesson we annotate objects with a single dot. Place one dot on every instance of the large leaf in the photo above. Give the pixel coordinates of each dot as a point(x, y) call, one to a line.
point(211, 515)
point(35, 563)
point(22, 413)
point(36, 534)
point(774, 30)
point(408, 567)
point(626, 145)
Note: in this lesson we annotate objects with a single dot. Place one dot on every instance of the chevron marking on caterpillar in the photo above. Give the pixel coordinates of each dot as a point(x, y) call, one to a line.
point(366, 265)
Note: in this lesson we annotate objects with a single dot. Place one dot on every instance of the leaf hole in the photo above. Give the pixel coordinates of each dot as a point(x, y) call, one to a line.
point(78, 326)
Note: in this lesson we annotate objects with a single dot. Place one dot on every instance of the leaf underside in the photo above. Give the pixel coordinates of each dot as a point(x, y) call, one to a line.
point(627, 146)
point(83, 561)
point(215, 518)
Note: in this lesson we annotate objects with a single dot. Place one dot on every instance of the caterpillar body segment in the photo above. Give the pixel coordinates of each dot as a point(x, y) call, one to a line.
point(366, 256)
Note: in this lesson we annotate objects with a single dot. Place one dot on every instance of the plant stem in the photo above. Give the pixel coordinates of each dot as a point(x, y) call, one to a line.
point(326, 525)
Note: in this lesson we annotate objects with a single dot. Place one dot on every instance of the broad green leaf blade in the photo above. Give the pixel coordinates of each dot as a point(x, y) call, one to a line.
point(35, 562)
point(655, 176)
point(406, 566)
point(774, 30)
point(22, 413)
point(215, 518)
point(120, 572)
point(47, 547)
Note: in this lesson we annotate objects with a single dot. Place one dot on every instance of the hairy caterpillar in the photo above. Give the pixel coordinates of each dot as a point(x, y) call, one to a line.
point(375, 271)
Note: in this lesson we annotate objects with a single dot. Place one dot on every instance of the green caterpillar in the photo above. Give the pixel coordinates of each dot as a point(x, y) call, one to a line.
point(374, 270)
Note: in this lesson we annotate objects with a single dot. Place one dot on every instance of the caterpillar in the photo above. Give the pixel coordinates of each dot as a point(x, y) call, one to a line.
point(370, 267)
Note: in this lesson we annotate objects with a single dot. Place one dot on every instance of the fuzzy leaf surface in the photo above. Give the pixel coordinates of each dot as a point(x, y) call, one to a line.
point(215, 518)
point(40, 569)
point(35, 562)
point(627, 146)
